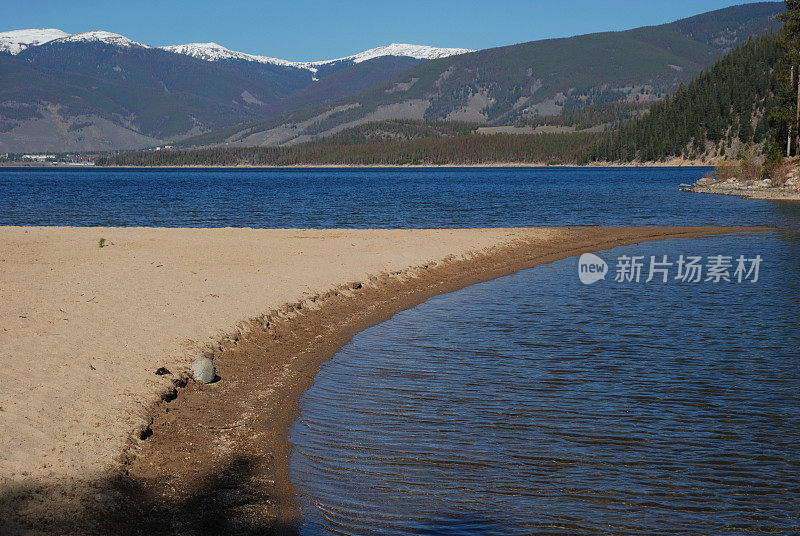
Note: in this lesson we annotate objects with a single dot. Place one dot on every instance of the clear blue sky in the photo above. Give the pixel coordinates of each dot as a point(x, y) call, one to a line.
point(312, 30)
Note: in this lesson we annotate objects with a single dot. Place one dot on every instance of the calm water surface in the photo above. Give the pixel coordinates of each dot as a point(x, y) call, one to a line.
point(535, 405)
point(478, 197)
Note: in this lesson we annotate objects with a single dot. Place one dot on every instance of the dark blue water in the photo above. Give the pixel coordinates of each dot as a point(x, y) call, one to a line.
point(533, 404)
point(387, 198)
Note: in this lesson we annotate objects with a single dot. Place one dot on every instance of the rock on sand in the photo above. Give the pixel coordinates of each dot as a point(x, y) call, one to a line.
point(204, 370)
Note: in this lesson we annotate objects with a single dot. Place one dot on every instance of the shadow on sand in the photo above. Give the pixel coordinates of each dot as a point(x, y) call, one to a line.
point(228, 503)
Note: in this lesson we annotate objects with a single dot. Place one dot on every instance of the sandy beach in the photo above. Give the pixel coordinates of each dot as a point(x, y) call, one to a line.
point(92, 438)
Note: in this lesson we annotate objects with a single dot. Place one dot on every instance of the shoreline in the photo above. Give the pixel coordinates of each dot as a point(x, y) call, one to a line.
point(770, 194)
point(256, 466)
point(670, 163)
point(214, 458)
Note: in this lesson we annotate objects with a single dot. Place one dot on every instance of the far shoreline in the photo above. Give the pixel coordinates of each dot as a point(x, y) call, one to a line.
point(667, 164)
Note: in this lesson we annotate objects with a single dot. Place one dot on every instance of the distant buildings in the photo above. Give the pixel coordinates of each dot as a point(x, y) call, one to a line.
point(50, 159)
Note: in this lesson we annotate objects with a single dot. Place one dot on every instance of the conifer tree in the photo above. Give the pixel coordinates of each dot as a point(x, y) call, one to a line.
point(783, 116)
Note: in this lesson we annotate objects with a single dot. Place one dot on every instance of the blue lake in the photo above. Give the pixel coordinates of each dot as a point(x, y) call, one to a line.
point(386, 198)
point(533, 404)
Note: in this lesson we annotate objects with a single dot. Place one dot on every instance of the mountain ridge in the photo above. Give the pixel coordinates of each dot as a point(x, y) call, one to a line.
point(513, 83)
point(16, 41)
point(87, 91)
point(724, 111)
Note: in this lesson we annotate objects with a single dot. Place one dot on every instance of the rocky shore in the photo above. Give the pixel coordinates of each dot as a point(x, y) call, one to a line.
point(783, 185)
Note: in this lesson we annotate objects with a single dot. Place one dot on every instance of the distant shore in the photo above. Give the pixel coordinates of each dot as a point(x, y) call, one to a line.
point(669, 163)
point(98, 436)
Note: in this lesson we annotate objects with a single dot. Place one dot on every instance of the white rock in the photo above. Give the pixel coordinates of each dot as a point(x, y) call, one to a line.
point(204, 370)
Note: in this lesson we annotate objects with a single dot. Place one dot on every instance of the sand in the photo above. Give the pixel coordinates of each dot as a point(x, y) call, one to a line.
point(85, 328)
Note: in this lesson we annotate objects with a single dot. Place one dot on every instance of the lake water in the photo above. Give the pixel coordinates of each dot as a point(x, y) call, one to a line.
point(388, 198)
point(531, 404)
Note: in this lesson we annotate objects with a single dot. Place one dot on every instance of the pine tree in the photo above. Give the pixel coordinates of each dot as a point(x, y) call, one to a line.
point(783, 118)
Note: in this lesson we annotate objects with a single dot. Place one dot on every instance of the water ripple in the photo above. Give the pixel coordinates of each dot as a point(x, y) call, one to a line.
point(533, 404)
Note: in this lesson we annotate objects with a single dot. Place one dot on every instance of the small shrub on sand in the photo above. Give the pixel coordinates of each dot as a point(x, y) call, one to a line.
point(722, 172)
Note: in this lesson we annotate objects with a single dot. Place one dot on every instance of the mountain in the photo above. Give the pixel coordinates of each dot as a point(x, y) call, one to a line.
point(527, 81)
point(215, 52)
point(730, 109)
point(18, 40)
point(102, 91)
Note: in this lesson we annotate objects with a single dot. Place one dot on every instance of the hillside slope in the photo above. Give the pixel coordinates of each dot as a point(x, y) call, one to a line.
point(102, 91)
point(509, 84)
point(722, 111)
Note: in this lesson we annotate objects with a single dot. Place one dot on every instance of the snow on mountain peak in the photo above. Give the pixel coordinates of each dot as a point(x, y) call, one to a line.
point(16, 41)
point(420, 52)
point(204, 51)
point(102, 37)
point(216, 52)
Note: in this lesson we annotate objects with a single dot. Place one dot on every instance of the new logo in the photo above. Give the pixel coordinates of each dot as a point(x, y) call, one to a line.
point(591, 268)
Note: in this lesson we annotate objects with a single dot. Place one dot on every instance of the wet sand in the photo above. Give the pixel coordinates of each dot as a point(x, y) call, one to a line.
point(94, 441)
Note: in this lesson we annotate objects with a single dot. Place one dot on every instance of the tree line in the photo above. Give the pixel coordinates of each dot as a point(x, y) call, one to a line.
point(461, 149)
point(731, 101)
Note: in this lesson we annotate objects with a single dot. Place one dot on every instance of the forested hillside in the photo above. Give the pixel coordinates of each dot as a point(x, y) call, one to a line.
point(729, 104)
point(385, 143)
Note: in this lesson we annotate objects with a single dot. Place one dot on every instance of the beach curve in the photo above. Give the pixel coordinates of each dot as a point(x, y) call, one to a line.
point(157, 450)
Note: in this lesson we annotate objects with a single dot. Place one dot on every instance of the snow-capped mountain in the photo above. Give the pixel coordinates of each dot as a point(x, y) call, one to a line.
point(215, 52)
point(16, 41)
point(76, 95)
point(134, 94)
point(99, 36)
point(420, 52)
